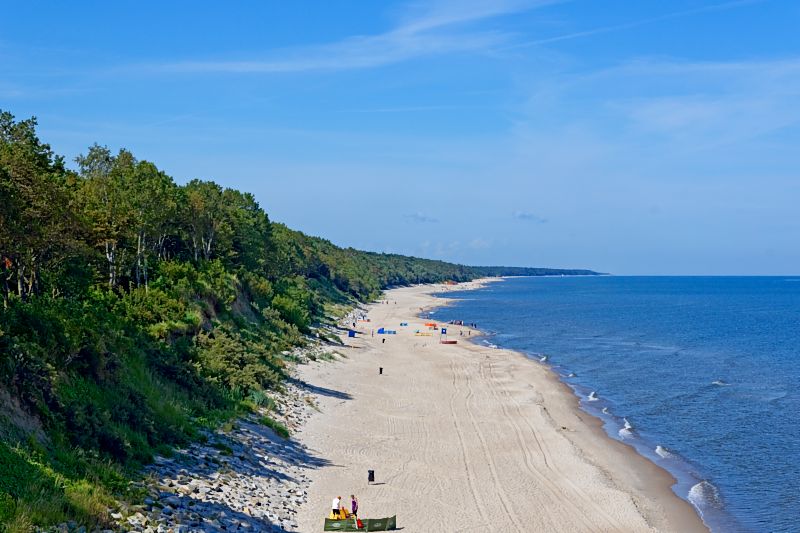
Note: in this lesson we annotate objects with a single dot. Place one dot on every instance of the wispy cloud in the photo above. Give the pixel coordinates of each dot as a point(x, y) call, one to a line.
point(633, 24)
point(407, 109)
point(421, 218)
point(658, 106)
point(529, 217)
point(12, 91)
point(425, 16)
point(445, 26)
point(722, 103)
point(479, 243)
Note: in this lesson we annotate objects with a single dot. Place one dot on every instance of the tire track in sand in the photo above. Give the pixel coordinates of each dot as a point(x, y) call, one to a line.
point(464, 455)
point(555, 494)
point(501, 493)
point(585, 498)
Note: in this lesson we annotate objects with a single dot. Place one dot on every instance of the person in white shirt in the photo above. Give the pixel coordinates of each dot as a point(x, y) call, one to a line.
point(335, 505)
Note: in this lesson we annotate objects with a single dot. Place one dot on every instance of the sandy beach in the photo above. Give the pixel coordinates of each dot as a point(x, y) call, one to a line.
point(468, 438)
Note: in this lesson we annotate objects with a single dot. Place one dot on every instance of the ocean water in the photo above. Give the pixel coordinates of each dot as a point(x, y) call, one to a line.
point(699, 374)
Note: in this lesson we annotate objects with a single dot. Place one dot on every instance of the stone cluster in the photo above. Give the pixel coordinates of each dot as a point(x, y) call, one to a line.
point(245, 479)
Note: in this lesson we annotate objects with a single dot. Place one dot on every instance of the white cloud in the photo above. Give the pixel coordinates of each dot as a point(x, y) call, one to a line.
point(421, 218)
point(529, 217)
point(436, 28)
point(480, 243)
point(425, 16)
point(652, 105)
point(719, 103)
point(633, 24)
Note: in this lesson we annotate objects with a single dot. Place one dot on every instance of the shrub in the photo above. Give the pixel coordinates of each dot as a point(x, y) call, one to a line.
point(275, 426)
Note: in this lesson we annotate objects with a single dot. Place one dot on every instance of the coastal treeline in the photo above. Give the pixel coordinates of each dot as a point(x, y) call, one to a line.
point(136, 311)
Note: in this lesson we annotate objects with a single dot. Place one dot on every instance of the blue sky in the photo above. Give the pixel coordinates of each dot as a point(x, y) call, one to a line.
point(633, 137)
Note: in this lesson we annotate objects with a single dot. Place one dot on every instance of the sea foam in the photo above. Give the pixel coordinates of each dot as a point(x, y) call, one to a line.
point(663, 452)
point(704, 494)
point(627, 429)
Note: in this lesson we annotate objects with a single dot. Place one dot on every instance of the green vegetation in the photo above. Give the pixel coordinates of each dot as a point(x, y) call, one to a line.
point(136, 311)
point(275, 426)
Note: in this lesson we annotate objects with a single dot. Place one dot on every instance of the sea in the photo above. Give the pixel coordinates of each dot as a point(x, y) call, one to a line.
point(699, 374)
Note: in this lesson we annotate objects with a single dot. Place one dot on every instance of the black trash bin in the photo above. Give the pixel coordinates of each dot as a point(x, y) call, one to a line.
point(370, 476)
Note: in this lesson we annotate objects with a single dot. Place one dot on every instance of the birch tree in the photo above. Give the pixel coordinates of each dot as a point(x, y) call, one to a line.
point(107, 204)
point(208, 220)
point(153, 199)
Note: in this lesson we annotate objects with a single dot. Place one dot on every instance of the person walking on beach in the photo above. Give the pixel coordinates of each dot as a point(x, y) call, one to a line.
point(335, 504)
point(354, 505)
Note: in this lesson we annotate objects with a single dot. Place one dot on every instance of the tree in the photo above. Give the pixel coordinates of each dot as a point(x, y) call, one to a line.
point(251, 232)
point(153, 198)
point(107, 204)
point(37, 226)
point(207, 219)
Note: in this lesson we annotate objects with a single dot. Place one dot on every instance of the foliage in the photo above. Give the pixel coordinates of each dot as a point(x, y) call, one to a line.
point(275, 426)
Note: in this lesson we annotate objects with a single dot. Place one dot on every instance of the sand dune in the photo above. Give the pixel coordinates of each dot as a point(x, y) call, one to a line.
point(469, 438)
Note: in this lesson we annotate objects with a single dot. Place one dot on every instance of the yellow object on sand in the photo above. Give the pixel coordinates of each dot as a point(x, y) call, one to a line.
point(341, 515)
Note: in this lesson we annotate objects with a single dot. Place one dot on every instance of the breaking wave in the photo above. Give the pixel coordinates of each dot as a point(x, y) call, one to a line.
point(627, 429)
point(704, 494)
point(663, 452)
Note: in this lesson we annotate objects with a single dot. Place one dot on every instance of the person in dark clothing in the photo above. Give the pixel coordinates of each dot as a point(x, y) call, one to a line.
point(354, 505)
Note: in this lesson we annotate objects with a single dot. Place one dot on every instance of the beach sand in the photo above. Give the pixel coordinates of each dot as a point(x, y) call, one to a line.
point(469, 438)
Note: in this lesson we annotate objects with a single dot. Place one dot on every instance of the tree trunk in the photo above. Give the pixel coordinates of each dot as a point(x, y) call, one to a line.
point(20, 277)
point(195, 248)
point(6, 289)
point(111, 248)
point(32, 281)
point(160, 244)
point(207, 245)
point(139, 254)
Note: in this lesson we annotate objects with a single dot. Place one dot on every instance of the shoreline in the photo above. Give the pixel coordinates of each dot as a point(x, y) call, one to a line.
point(660, 475)
point(505, 410)
point(688, 480)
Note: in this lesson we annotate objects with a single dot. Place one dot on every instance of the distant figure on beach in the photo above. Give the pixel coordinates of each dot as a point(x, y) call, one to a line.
point(383, 341)
point(336, 504)
point(354, 505)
